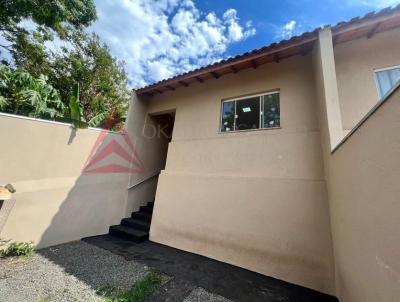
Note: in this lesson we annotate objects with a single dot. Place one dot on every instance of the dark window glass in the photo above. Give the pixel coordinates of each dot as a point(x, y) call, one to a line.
point(228, 116)
point(271, 111)
point(248, 113)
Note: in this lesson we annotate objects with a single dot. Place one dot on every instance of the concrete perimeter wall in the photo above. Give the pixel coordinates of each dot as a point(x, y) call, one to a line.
point(255, 199)
point(55, 202)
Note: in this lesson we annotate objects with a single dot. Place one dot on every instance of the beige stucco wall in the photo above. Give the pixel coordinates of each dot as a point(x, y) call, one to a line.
point(152, 148)
point(355, 64)
point(365, 210)
point(255, 199)
point(55, 202)
point(362, 179)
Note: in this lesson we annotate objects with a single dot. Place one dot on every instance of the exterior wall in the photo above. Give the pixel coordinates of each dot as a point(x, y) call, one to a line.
point(362, 178)
point(364, 193)
point(355, 64)
point(255, 199)
point(55, 203)
point(152, 149)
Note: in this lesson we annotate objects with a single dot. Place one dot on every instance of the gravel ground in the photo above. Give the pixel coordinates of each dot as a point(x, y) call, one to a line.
point(73, 272)
point(201, 295)
point(68, 272)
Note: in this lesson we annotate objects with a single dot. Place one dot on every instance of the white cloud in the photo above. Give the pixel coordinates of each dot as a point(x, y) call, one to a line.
point(378, 4)
point(287, 30)
point(161, 38)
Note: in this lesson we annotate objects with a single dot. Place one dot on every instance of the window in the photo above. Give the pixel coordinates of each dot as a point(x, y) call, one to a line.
point(253, 112)
point(228, 116)
point(386, 79)
point(248, 114)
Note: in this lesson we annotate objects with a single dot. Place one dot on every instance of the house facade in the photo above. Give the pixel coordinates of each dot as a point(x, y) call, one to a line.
point(250, 176)
point(283, 161)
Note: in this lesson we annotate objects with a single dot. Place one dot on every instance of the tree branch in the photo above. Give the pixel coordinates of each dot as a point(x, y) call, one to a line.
point(8, 47)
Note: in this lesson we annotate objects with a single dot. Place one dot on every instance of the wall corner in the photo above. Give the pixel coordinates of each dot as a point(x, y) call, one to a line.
point(327, 88)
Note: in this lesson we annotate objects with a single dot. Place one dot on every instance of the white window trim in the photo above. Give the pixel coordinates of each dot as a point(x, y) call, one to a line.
point(386, 68)
point(262, 94)
point(376, 70)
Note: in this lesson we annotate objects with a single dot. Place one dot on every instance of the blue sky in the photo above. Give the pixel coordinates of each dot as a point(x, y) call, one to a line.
point(158, 39)
point(268, 16)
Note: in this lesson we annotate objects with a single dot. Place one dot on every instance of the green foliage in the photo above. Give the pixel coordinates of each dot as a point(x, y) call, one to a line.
point(3, 102)
point(76, 115)
point(140, 291)
point(57, 15)
point(144, 288)
point(83, 60)
point(26, 95)
point(10, 188)
point(102, 79)
point(75, 110)
point(15, 249)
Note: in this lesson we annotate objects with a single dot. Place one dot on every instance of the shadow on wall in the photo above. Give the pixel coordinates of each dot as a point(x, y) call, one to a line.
point(99, 197)
point(56, 201)
point(111, 185)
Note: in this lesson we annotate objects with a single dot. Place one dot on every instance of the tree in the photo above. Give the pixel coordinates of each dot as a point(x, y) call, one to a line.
point(102, 79)
point(57, 15)
point(85, 61)
point(20, 93)
point(50, 16)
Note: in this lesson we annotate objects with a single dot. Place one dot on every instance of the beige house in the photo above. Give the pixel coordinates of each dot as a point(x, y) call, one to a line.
point(284, 161)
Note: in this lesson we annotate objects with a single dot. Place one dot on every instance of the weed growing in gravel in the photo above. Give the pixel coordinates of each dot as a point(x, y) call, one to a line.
point(141, 290)
point(15, 249)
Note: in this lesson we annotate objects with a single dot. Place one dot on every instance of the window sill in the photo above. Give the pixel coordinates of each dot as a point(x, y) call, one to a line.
point(248, 130)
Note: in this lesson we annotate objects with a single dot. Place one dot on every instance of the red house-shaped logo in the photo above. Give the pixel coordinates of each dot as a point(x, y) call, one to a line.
point(99, 154)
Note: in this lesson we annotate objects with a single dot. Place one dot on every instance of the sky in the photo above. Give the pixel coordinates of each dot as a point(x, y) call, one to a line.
point(158, 39)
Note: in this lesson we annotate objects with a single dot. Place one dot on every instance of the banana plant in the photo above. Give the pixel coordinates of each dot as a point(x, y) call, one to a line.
point(76, 112)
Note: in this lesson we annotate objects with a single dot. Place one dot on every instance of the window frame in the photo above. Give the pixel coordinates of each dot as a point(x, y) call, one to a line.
point(261, 119)
point(376, 70)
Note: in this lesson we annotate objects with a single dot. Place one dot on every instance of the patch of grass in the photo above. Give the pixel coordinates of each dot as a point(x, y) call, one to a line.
point(141, 290)
point(15, 249)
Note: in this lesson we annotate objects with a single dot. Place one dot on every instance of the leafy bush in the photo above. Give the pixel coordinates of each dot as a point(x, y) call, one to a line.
point(10, 188)
point(15, 249)
point(21, 93)
point(140, 291)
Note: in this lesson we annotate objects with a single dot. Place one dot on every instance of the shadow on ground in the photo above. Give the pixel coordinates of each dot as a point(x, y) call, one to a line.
point(189, 271)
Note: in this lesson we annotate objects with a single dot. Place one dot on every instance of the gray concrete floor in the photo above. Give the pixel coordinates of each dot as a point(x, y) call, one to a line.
point(75, 271)
point(197, 278)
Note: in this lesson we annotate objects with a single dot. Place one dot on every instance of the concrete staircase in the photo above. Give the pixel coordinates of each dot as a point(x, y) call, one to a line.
point(137, 227)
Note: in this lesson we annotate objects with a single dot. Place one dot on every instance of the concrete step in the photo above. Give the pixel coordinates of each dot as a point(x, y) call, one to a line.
point(142, 216)
point(136, 223)
point(128, 233)
point(146, 209)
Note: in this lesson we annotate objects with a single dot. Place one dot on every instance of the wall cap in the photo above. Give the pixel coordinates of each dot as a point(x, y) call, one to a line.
point(50, 122)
